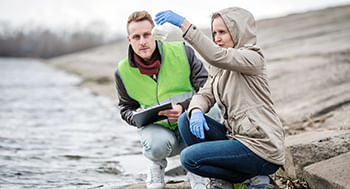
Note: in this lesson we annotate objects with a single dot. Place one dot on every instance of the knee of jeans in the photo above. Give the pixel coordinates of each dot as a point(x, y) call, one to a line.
point(186, 159)
point(159, 150)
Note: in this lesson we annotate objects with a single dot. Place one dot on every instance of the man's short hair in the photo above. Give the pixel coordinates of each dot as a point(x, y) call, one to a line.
point(139, 16)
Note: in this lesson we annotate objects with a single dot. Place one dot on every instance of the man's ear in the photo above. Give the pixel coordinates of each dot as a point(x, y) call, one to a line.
point(128, 38)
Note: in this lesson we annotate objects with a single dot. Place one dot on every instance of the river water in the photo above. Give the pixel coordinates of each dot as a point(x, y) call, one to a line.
point(54, 134)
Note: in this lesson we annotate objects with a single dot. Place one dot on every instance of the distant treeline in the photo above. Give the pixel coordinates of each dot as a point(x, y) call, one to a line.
point(44, 43)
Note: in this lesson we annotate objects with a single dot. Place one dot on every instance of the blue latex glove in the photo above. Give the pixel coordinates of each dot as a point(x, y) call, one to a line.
point(197, 123)
point(169, 16)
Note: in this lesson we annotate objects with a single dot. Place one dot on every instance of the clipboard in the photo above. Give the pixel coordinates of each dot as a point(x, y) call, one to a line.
point(150, 115)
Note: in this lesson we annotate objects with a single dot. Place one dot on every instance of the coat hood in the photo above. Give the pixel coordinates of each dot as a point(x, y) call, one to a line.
point(241, 25)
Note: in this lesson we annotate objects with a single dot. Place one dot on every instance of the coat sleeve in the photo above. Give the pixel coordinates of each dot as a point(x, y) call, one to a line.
point(242, 60)
point(127, 105)
point(204, 98)
point(198, 75)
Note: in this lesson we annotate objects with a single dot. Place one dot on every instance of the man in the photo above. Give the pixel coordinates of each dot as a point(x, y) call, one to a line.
point(156, 72)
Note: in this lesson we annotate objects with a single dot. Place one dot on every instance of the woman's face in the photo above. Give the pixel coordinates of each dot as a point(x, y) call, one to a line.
point(222, 36)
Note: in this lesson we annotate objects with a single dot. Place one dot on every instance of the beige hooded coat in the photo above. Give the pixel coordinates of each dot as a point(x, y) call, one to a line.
point(237, 83)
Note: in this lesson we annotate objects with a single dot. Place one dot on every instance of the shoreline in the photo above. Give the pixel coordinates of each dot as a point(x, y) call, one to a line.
point(307, 57)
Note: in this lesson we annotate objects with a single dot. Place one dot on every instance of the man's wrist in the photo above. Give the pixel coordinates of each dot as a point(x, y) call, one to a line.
point(180, 107)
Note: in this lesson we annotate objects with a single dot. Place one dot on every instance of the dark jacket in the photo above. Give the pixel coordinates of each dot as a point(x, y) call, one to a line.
point(128, 105)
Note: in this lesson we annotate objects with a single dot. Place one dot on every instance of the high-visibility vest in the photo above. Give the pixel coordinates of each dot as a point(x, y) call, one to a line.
point(173, 83)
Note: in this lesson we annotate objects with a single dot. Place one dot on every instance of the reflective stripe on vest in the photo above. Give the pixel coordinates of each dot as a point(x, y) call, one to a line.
point(173, 83)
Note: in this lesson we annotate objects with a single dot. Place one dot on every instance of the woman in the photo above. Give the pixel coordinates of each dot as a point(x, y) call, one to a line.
point(249, 144)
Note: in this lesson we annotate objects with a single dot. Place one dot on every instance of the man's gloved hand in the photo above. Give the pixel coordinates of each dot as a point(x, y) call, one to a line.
point(169, 16)
point(197, 123)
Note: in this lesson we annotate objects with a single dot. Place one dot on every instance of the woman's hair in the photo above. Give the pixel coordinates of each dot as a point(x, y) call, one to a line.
point(139, 16)
point(214, 15)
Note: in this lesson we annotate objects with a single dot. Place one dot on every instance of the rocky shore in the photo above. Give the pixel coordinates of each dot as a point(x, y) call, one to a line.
point(308, 64)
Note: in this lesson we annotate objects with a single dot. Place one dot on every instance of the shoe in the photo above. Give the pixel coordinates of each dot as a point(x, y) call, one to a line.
point(255, 183)
point(155, 177)
point(197, 182)
point(219, 184)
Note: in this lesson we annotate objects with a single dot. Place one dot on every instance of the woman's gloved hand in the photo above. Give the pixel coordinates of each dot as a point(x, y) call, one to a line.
point(197, 123)
point(169, 16)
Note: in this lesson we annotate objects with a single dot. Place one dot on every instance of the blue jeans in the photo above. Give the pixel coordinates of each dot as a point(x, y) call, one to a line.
point(218, 157)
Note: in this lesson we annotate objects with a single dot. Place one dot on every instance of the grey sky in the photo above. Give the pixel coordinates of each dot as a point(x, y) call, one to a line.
point(73, 13)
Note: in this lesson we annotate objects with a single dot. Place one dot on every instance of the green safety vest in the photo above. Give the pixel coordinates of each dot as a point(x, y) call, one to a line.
point(173, 84)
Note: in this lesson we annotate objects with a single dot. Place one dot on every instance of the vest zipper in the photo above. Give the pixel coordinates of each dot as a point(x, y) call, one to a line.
point(161, 62)
point(160, 48)
point(157, 87)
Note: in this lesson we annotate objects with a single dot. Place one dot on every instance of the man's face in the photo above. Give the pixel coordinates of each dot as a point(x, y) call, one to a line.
point(141, 39)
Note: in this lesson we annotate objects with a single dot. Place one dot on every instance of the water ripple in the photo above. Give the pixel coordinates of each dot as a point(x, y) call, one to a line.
point(56, 135)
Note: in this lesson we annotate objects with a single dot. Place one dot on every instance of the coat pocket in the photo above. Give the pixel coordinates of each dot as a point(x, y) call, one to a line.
point(247, 126)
